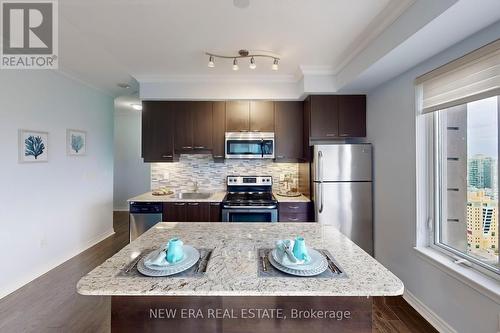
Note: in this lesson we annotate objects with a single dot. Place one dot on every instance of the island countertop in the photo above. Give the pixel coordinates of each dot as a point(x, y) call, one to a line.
point(233, 266)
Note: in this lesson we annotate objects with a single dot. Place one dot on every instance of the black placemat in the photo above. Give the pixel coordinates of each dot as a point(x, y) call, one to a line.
point(130, 270)
point(274, 272)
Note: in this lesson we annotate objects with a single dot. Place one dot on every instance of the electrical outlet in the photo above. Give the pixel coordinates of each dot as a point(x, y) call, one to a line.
point(166, 176)
point(282, 177)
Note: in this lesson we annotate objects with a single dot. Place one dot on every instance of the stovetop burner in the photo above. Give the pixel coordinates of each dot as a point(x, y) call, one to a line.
point(249, 199)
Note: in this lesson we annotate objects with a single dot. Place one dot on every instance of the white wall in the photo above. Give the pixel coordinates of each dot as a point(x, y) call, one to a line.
point(131, 175)
point(52, 211)
point(391, 128)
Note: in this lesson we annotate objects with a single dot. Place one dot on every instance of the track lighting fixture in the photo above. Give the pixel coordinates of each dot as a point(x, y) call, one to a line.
point(243, 54)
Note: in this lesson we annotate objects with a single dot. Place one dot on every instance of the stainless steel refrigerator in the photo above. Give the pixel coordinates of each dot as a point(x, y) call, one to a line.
point(342, 190)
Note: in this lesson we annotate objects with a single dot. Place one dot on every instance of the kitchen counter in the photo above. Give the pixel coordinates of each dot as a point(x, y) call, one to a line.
point(232, 269)
point(301, 198)
point(149, 197)
point(216, 197)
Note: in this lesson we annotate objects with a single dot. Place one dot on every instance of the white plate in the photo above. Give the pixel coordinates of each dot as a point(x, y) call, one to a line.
point(317, 260)
point(297, 272)
point(191, 256)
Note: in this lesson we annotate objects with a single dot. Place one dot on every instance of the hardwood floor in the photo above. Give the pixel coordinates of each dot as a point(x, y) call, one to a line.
point(51, 304)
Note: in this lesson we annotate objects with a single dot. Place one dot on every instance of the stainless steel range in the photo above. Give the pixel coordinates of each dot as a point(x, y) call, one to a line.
point(250, 199)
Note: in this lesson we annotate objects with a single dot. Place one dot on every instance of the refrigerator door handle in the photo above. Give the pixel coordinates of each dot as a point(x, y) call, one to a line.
point(320, 198)
point(320, 166)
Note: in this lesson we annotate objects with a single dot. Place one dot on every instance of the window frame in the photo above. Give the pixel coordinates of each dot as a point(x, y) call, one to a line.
point(434, 155)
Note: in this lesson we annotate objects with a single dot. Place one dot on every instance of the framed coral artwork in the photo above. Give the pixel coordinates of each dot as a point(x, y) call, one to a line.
point(76, 142)
point(33, 146)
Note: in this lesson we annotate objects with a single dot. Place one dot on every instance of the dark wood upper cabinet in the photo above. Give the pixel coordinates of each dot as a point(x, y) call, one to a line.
point(193, 126)
point(336, 116)
point(244, 116)
point(324, 113)
point(202, 126)
point(158, 121)
point(237, 116)
point(261, 116)
point(352, 115)
point(183, 126)
point(289, 131)
point(219, 129)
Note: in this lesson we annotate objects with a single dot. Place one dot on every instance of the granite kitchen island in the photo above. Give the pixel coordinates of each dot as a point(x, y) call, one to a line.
point(231, 286)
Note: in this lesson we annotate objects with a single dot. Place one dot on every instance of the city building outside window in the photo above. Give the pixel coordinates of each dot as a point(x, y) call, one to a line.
point(466, 181)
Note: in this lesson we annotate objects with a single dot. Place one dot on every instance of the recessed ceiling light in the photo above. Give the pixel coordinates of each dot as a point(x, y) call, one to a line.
point(241, 3)
point(137, 107)
point(123, 85)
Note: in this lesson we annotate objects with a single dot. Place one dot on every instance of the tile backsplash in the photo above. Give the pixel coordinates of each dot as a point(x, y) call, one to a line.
point(211, 176)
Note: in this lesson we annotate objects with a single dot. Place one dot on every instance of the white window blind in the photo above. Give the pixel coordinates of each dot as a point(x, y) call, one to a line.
point(472, 77)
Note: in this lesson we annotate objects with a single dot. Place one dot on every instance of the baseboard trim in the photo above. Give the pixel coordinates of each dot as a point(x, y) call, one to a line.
point(429, 315)
point(56, 262)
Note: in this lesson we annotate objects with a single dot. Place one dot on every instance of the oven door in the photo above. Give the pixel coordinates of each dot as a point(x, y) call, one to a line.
point(250, 145)
point(249, 215)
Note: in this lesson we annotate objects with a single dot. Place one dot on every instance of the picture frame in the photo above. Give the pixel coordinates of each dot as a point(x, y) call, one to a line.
point(76, 142)
point(33, 146)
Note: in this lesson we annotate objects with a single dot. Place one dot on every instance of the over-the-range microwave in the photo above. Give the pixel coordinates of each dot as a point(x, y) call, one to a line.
point(249, 145)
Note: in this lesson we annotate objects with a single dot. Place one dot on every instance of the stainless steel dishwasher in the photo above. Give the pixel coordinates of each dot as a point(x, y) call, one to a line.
point(143, 216)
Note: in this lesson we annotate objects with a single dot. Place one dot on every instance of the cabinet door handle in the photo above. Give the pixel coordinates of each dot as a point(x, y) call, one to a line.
point(166, 156)
point(293, 207)
point(294, 219)
point(218, 156)
point(199, 147)
point(179, 204)
point(331, 134)
point(343, 134)
point(243, 130)
point(187, 147)
point(281, 156)
point(256, 130)
point(193, 204)
point(214, 204)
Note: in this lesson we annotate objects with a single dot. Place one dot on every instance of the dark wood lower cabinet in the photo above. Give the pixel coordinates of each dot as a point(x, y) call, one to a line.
point(215, 212)
point(190, 212)
point(174, 212)
point(238, 314)
point(295, 212)
point(197, 212)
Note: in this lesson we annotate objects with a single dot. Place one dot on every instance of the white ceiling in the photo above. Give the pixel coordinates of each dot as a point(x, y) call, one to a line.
point(104, 42)
point(325, 45)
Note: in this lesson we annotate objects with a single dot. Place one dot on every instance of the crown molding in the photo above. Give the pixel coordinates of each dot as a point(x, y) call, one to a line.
point(391, 12)
point(217, 78)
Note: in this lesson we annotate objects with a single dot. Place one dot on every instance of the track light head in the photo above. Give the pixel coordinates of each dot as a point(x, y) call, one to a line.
point(235, 65)
point(252, 63)
point(275, 65)
point(211, 62)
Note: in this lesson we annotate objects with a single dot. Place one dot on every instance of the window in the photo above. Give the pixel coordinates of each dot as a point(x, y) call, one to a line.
point(466, 182)
point(459, 110)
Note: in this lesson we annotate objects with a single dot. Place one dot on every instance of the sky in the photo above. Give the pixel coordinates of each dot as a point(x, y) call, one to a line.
point(482, 127)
